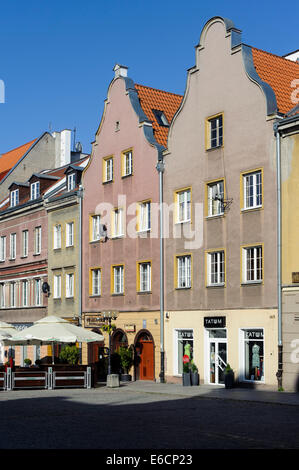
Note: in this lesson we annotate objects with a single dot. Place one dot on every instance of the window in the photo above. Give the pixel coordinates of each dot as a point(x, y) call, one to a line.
point(14, 198)
point(252, 264)
point(117, 223)
point(183, 272)
point(37, 240)
point(25, 293)
point(118, 279)
point(252, 190)
point(96, 227)
point(69, 239)
point(184, 347)
point(12, 294)
point(216, 268)
point(144, 216)
point(71, 181)
point(127, 163)
point(96, 275)
point(57, 236)
point(183, 205)
point(214, 131)
point(2, 248)
point(161, 118)
point(2, 295)
point(25, 243)
point(57, 286)
point(253, 354)
point(215, 196)
point(37, 292)
point(107, 169)
point(144, 276)
point(34, 190)
point(13, 239)
point(69, 285)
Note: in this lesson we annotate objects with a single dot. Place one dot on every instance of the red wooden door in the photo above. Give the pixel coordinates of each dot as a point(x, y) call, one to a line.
point(146, 367)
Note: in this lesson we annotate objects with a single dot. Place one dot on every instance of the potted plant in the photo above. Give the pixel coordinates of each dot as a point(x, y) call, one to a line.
point(186, 375)
point(27, 362)
point(126, 362)
point(69, 354)
point(229, 377)
point(194, 374)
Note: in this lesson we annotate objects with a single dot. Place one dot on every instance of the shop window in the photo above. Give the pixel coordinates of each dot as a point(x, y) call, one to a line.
point(184, 347)
point(253, 351)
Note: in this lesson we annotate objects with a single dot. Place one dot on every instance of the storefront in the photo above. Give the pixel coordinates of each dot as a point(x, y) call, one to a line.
point(244, 339)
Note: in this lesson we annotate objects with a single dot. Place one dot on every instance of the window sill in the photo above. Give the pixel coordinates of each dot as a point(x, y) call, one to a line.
point(23, 257)
point(107, 182)
point(144, 292)
point(69, 298)
point(11, 259)
point(70, 246)
point(252, 209)
point(180, 222)
point(56, 298)
point(95, 296)
point(36, 254)
point(216, 216)
point(253, 283)
point(183, 288)
point(143, 232)
point(126, 176)
point(209, 149)
point(118, 295)
point(57, 249)
point(116, 237)
point(215, 286)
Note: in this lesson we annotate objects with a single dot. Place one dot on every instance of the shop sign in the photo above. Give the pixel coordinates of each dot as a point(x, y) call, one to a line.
point(130, 328)
point(254, 334)
point(185, 334)
point(92, 321)
point(214, 322)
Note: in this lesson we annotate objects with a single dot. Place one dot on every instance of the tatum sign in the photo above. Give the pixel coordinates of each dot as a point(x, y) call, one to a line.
point(214, 322)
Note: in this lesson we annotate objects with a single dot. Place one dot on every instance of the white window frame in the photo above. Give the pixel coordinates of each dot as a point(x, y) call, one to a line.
point(25, 241)
point(118, 279)
point(145, 276)
point(71, 181)
point(57, 286)
point(3, 248)
point(37, 240)
point(37, 292)
point(96, 281)
point(13, 245)
point(253, 180)
point(216, 141)
point(216, 276)
point(13, 294)
point(183, 206)
point(34, 190)
point(242, 341)
point(128, 163)
point(255, 250)
point(69, 234)
point(184, 271)
point(118, 222)
point(108, 169)
point(144, 222)
point(57, 237)
point(215, 206)
point(25, 292)
point(96, 228)
point(176, 347)
point(2, 295)
point(69, 285)
point(14, 198)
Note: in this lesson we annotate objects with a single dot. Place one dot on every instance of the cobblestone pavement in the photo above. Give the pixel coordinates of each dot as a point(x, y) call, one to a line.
point(144, 416)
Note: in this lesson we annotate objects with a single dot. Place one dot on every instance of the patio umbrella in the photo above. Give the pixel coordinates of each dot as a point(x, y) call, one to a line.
point(50, 330)
point(6, 331)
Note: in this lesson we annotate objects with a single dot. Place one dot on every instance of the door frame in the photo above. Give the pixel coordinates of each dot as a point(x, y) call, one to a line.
point(207, 341)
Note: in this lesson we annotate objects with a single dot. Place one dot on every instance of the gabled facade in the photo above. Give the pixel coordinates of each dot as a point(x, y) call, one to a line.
point(221, 275)
point(120, 229)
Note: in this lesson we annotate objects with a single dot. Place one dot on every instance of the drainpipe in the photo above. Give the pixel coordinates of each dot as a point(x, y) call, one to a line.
point(80, 194)
point(278, 179)
point(160, 169)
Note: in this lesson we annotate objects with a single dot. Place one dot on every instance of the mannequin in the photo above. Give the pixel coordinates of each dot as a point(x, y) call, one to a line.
point(255, 361)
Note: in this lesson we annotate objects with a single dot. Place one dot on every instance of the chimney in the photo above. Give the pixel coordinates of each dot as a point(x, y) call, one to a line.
point(62, 147)
point(120, 71)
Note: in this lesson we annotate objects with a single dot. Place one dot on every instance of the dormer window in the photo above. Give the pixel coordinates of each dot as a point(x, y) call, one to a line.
point(34, 190)
point(71, 181)
point(14, 198)
point(161, 118)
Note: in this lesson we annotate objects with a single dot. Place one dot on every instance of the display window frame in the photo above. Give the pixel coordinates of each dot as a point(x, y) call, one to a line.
point(242, 359)
point(176, 349)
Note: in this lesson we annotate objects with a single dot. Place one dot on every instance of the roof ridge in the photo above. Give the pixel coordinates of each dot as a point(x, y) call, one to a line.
point(275, 55)
point(158, 89)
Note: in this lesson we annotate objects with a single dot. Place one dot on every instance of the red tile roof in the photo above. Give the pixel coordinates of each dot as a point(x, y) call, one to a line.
point(279, 73)
point(151, 98)
point(9, 159)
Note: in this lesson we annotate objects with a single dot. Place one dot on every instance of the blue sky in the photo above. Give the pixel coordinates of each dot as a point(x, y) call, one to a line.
point(56, 57)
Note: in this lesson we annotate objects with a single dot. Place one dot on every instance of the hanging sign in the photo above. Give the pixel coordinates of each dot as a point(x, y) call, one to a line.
point(214, 322)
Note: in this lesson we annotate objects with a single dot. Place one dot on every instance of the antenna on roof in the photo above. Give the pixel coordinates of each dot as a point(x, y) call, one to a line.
point(50, 127)
point(74, 144)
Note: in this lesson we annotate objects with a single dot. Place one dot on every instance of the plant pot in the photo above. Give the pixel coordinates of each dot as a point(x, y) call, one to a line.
point(229, 379)
point(186, 379)
point(125, 377)
point(194, 378)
